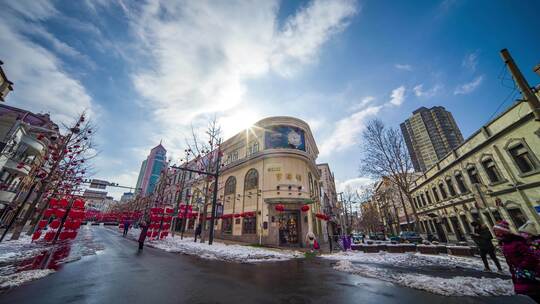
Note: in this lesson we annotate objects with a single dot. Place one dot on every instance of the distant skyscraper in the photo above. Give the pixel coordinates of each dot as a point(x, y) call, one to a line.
point(430, 134)
point(150, 170)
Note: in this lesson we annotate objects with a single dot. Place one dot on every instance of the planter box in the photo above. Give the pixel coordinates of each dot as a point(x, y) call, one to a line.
point(371, 249)
point(395, 249)
point(357, 247)
point(427, 249)
point(460, 250)
point(442, 249)
point(409, 247)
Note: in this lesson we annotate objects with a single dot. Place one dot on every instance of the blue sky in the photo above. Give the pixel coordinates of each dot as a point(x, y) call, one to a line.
point(147, 70)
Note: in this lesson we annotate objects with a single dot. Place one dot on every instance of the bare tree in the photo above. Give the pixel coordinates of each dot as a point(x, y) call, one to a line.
point(206, 155)
point(385, 156)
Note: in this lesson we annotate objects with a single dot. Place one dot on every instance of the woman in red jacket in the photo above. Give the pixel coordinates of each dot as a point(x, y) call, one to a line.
point(521, 261)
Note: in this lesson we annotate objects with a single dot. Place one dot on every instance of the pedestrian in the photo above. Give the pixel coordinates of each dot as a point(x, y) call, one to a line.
point(142, 237)
point(363, 238)
point(126, 227)
point(310, 240)
point(483, 239)
point(198, 232)
point(521, 261)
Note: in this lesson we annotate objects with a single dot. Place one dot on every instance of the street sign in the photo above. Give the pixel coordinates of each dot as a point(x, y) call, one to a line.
point(98, 184)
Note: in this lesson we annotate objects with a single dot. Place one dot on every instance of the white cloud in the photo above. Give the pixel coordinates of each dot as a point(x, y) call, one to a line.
point(405, 67)
point(353, 184)
point(398, 96)
point(363, 103)
point(469, 87)
point(420, 92)
point(40, 82)
point(346, 131)
point(200, 55)
point(470, 61)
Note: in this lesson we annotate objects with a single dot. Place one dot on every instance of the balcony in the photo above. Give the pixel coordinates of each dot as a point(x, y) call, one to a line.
point(7, 196)
point(11, 166)
point(35, 147)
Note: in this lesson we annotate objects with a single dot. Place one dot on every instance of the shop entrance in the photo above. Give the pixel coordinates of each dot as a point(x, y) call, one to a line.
point(289, 228)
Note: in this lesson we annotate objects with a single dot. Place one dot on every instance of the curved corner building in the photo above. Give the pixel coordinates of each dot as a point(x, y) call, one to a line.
point(272, 163)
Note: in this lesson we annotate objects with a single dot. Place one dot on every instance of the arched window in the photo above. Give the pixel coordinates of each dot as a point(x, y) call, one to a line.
point(310, 180)
point(252, 180)
point(516, 214)
point(522, 156)
point(491, 169)
point(230, 185)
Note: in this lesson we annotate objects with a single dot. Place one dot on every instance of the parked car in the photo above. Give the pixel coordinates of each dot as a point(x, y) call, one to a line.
point(409, 236)
point(377, 236)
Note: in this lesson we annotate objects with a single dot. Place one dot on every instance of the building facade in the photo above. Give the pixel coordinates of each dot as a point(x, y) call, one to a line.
point(493, 175)
point(328, 198)
point(151, 170)
point(24, 141)
point(268, 166)
point(6, 86)
point(430, 134)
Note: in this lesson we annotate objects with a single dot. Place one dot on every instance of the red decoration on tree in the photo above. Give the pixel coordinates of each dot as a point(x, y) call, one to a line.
point(305, 208)
point(280, 208)
point(55, 224)
point(36, 235)
point(237, 215)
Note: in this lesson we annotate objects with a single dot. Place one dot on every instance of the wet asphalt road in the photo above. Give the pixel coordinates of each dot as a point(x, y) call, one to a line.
point(120, 274)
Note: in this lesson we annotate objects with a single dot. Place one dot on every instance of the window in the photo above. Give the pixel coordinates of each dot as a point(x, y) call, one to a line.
point(230, 185)
point(423, 199)
point(443, 192)
point(473, 175)
point(461, 183)
point(252, 179)
point(253, 147)
point(249, 225)
point(522, 158)
point(226, 225)
point(447, 225)
point(491, 170)
point(517, 216)
point(450, 186)
point(435, 194)
point(429, 198)
point(465, 223)
point(497, 216)
point(415, 199)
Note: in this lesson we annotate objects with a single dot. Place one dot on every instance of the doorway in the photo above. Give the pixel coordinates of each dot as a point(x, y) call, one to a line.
point(289, 228)
point(440, 232)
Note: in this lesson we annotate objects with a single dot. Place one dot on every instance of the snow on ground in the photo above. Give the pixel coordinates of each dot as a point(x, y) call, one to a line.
point(412, 259)
point(16, 250)
point(382, 266)
point(218, 250)
point(16, 279)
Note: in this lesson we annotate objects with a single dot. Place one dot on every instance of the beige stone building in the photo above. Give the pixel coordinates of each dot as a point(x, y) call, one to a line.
point(329, 200)
point(393, 207)
point(493, 175)
point(272, 163)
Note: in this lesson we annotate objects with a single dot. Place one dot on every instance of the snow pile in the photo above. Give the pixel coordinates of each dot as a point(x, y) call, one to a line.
point(16, 250)
point(456, 286)
point(19, 278)
point(219, 251)
point(410, 260)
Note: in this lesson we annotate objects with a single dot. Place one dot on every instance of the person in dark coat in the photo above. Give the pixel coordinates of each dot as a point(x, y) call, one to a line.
point(126, 227)
point(142, 237)
point(483, 239)
point(198, 232)
point(521, 261)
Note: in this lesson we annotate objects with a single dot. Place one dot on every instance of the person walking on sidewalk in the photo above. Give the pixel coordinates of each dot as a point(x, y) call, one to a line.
point(142, 237)
point(198, 232)
point(310, 240)
point(483, 239)
point(521, 261)
point(126, 227)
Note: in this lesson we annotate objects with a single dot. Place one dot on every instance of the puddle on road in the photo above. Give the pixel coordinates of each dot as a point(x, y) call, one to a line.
point(44, 258)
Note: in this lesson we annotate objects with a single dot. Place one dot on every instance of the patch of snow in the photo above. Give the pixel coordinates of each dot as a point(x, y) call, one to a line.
point(218, 250)
point(410, 259)
point(456, 286)
point(19, 278)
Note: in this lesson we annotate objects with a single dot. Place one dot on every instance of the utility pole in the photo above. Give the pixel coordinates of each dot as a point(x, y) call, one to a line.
point(521, 82)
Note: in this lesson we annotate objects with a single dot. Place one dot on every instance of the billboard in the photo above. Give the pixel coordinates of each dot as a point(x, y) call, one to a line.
point(287, 137)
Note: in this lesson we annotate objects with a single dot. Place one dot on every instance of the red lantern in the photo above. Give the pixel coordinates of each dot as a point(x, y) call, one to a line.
point(36, 235)
point(53, 202)
point(149, 234)
point(242, 214)
point(305, 208)
point(167, 219)
point(42, 224)
point(169, 210)
point(78, 204)
point(164, 234)
point(55, 224)
point(73, 235)
point(237, 215)
point(63, 203)
point(166, 226)
point(64, 235)
point(49, 236)
point(280, 208)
